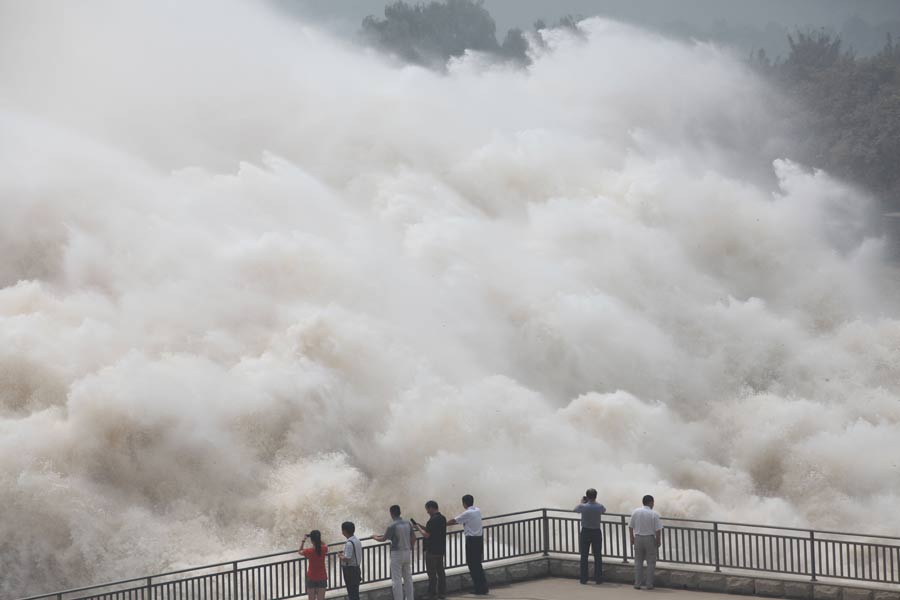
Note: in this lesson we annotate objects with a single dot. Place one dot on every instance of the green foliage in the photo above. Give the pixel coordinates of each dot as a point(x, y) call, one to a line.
point(852, 106)
point(431, 33)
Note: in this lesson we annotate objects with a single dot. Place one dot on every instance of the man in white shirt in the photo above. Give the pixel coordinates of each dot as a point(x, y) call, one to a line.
point(645, 527)
point(351, 560)
point(470, 519)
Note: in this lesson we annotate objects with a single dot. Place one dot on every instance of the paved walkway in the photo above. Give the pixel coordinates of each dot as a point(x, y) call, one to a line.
point(569, 589)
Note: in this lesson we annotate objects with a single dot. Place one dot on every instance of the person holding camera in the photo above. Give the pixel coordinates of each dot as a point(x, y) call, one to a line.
point(591, 534)
point(316, 575)
point(434, 536)
point(403, 539)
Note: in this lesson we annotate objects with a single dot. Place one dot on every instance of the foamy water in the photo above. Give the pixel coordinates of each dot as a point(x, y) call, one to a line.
point(256, 281)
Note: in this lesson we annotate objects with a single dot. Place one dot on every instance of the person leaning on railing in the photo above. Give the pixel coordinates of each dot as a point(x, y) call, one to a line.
point(470, 519)
point(403, 539)
point(645, 527)
point(591, 534)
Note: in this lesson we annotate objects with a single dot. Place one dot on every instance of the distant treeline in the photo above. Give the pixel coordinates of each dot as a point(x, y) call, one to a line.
point(849, 106)
point(430, 34)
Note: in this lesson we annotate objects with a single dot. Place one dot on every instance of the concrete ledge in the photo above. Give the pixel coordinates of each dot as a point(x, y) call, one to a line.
point(539, 567)
point(769, 588)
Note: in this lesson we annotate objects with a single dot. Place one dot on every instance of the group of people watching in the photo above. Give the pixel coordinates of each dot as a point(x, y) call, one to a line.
point(401, 534)
point(645, 529)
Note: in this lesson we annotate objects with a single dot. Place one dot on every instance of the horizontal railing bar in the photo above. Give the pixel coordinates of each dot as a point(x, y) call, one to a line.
point(806, 530)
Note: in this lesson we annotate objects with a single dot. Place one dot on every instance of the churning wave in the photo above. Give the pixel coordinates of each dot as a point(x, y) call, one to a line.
point(256, 280)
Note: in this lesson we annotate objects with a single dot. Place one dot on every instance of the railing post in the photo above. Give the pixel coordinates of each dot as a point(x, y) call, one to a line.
point(716, 546)
point(149, 594)
point(624, 541)
point(812, 554)
point(546, 524)
point(234, 581)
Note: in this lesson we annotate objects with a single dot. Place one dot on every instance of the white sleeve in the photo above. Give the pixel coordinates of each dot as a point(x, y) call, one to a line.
point(464, 518)
point(657, 522)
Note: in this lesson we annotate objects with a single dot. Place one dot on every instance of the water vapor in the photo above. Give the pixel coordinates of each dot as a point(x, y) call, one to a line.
point(257, 281)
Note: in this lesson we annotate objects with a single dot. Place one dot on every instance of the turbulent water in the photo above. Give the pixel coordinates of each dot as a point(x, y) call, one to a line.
point(255, 280)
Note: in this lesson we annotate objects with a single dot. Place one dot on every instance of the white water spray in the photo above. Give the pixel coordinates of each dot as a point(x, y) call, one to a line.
point(255, 281)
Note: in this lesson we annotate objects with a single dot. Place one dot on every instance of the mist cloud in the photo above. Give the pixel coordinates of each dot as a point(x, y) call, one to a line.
point(257, 281)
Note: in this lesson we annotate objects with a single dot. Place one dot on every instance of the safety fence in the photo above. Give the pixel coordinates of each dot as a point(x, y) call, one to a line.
point(717, 545)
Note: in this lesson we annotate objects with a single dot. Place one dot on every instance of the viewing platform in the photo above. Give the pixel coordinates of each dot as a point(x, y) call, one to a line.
point(534, 554)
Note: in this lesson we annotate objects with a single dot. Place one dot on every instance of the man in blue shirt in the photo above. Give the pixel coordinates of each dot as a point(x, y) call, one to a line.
point(591, 535)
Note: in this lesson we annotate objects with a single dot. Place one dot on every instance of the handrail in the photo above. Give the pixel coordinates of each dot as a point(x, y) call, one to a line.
point(540, 514)
point(801, 529)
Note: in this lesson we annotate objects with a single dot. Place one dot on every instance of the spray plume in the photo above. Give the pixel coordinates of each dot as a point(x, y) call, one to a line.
point(256, 281)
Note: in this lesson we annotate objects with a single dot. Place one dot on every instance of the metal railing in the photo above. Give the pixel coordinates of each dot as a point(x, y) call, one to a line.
point(717, 545)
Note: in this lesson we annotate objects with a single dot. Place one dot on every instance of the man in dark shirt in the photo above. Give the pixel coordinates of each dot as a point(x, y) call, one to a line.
point(435, 541)
point(591, 534)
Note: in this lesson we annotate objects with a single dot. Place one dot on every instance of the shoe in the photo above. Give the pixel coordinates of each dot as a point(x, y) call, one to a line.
point(644, 587)
point(637, 587)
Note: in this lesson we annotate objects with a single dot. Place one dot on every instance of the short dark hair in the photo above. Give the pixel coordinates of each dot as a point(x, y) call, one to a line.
point(591, 494)
point(468, 500)
point(395, 511)
point(349, 527)
point(648, 500)
point(431, 504)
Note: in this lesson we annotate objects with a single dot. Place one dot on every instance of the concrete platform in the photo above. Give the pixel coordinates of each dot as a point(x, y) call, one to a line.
point(556, 578)
point(558, 588)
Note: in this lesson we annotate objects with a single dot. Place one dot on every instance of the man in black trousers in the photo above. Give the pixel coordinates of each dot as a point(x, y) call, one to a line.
point(435, 544)
point(351, 560)
point(591, 535)
point(470, 519)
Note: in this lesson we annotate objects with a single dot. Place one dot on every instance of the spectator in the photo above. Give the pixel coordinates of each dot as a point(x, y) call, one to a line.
point(435, 542)
point(403, 539)
point(591, 536)
point(351, 560)
point(470, 519)
point(646, 536)
point(316, 576)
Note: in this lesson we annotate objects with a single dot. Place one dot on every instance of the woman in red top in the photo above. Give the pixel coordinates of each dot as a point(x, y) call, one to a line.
point(316, 576)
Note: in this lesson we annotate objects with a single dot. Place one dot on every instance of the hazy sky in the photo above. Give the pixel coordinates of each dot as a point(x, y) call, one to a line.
point(745, 22)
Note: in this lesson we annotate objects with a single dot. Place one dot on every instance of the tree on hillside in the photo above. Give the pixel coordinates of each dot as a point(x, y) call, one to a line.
point(428, 33)
point(852, 106)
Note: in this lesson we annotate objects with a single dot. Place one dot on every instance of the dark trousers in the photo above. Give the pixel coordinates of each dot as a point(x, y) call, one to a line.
point(437, 578)
point(474, 556)
point(588, 539)
point(352, 577)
